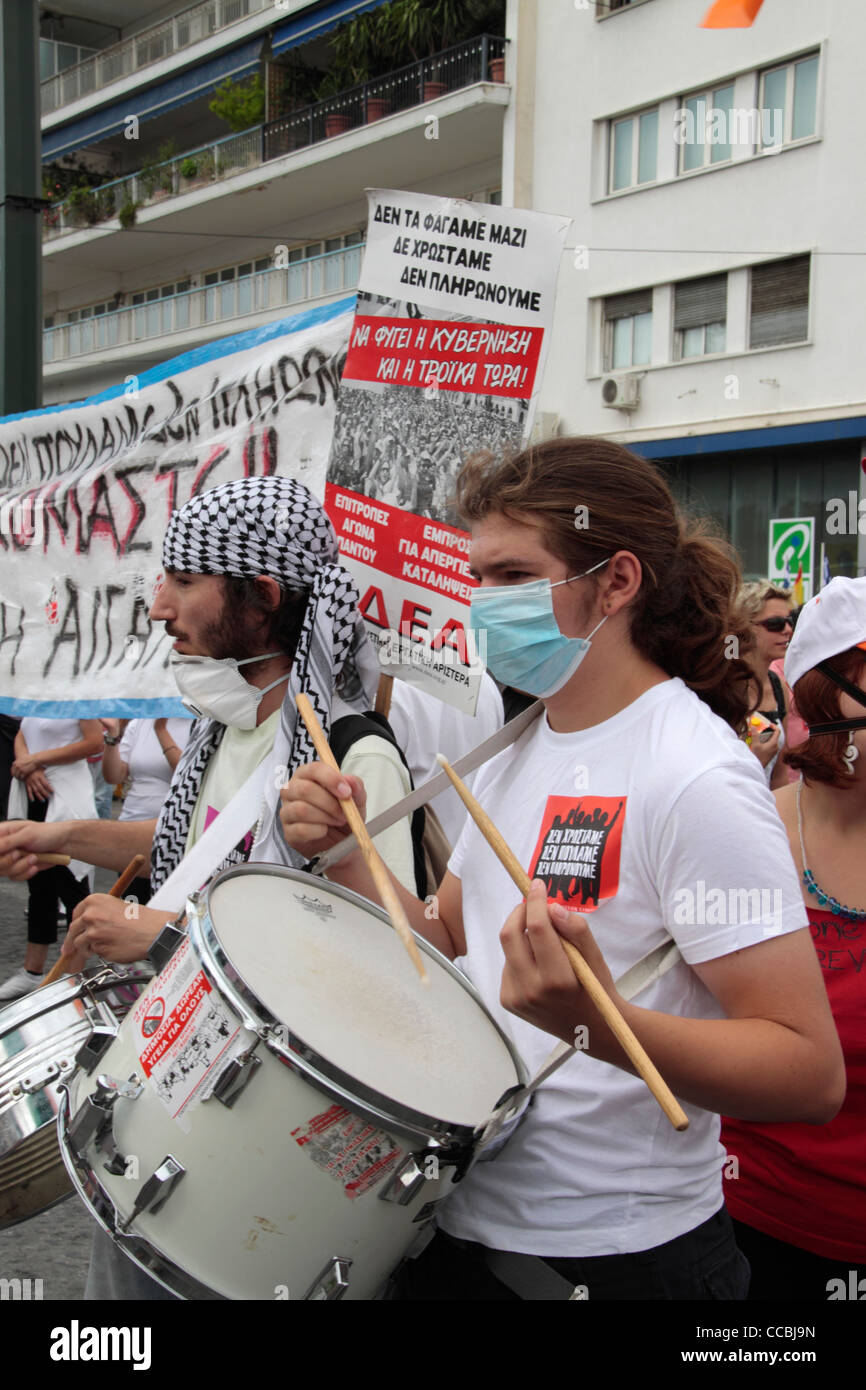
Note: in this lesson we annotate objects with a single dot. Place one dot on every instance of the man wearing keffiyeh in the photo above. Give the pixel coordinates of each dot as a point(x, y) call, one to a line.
point(251, 570)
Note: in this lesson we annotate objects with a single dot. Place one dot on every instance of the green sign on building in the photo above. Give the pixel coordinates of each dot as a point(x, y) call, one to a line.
point(792, 544)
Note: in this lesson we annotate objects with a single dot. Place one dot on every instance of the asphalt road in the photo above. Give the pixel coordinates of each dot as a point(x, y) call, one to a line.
point(54, 1246)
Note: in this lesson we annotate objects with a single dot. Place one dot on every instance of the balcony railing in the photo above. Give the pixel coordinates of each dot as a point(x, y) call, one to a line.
point(477, 60)
point(336, 272)
point(149, 46)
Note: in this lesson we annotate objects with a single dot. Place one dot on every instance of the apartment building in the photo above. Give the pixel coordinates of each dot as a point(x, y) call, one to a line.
point(712, 312)
point(711, 300)
point(168, 228)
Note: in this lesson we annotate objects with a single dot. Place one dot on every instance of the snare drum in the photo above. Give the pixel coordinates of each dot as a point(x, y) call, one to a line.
point(40, 1036)
point(286, 1104)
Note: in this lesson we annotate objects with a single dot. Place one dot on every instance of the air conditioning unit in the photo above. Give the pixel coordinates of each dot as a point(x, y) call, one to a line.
point(621, 392)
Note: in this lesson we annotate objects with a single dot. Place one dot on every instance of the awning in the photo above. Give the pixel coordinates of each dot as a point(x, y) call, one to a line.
point(171, 92)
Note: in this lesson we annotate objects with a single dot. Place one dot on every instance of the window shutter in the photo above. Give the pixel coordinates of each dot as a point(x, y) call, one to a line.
point(780, 302)
point(626, 306)
point(699, 302)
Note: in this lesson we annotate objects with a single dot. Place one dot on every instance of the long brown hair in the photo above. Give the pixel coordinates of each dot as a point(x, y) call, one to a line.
point(591, 498)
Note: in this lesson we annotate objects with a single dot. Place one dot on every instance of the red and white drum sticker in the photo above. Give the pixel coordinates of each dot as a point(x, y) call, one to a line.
point(184, 1035)
point(348, 1150)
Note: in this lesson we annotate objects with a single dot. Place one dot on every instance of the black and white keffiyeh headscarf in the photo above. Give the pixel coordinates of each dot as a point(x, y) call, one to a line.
point(271, 526)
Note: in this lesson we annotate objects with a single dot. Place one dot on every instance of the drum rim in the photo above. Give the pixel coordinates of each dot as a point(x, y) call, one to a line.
point(66, 991)
point(297, 1053)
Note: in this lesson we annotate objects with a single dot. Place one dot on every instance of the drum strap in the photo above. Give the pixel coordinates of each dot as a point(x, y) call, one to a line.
point(503, 738)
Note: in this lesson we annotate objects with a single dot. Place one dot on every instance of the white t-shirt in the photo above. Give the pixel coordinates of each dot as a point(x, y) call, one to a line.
point(425, 726)
point(663, 818)
point(149, 769)
point(372, 759)
point(71, 783)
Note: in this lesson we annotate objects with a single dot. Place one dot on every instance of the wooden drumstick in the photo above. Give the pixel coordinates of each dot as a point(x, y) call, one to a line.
point(633, 1049)
point(48, 861)
point(116, 890)
point(378, 872)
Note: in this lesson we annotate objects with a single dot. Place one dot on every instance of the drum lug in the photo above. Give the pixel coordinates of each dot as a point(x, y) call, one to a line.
point(235, 1077)
point(406, 1182)
point(90, 1054)
point(165, 945)
point(331, 1284)
point(156, 1190)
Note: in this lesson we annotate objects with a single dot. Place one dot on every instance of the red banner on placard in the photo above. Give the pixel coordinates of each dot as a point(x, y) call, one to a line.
point(483, 359)
point(399, 544)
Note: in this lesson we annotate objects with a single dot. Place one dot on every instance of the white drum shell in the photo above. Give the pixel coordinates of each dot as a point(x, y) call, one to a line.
point(254, 1216)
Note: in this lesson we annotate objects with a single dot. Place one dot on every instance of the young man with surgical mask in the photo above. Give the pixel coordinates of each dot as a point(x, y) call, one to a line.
point(633, 801)
point(260, 608)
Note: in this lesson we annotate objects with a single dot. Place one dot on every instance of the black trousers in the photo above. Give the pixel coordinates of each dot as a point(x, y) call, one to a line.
point(782, 1271)
point(46, 889)
point(703, 1264)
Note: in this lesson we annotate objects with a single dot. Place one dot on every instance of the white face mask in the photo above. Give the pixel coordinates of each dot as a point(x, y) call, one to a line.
point(217, 690)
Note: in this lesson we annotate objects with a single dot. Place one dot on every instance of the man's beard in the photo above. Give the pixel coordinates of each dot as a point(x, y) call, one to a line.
point(234, 633)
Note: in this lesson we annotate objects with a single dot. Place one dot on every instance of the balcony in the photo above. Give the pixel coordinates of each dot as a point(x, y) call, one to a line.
point(142, 50)
point(199, 312)
point(453, 70)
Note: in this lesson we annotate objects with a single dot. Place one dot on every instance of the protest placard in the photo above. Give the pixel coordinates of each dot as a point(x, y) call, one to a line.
point(445, 357)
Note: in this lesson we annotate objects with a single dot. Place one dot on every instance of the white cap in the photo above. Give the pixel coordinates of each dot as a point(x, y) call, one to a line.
point(831, 622)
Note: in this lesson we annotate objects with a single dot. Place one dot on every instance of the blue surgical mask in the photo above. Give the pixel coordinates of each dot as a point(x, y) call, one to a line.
point(525, 647)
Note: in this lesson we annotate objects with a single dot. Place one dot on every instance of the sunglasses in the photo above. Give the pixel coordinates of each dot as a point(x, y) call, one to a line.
point(775, 624)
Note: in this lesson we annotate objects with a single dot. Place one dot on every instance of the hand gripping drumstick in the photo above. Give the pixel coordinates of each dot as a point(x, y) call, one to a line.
point(378, 872)
point(602, 1001)
point(116, 891)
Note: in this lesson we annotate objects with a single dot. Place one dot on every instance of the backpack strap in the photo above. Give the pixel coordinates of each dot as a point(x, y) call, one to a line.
point(346, 732)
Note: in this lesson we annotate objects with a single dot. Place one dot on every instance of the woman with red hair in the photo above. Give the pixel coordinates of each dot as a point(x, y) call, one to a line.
point(798, 1195)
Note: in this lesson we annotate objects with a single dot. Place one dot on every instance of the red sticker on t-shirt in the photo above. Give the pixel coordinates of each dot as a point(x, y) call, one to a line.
point(578, 849)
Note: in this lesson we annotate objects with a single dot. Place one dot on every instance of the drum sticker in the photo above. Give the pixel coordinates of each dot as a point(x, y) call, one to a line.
point(578, 850)
point(348, 1150)
point(185, 1036)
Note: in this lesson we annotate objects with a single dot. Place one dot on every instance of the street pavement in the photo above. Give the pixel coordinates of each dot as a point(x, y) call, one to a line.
point(54, 1246)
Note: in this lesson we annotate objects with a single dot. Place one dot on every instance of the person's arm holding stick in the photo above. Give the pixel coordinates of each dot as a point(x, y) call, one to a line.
point(766, 990)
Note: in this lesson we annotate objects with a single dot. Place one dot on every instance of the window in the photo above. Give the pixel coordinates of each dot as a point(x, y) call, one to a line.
point(606, 7)
point(700, 314)
point(780, 302)
point(789, 103)
point(703, 128)
point(628, 330)
point(634, 143)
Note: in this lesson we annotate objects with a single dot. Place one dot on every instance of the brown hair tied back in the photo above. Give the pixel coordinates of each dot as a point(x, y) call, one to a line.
point(817, 700)
point(591, 498)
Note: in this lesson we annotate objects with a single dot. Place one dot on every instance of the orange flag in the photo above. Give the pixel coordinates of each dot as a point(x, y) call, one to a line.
point(798, 585)
point(732, 14)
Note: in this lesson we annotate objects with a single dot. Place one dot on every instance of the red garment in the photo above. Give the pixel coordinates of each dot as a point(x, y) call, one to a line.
point(806, 1184)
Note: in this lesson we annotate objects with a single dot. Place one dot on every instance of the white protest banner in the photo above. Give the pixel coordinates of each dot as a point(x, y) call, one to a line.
point(86, 492)
point(426, 383)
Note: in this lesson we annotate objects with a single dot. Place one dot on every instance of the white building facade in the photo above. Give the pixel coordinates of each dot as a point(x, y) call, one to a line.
point(710, 302)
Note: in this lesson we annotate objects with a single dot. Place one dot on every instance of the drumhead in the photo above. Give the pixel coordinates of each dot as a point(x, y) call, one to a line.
point(341, 981)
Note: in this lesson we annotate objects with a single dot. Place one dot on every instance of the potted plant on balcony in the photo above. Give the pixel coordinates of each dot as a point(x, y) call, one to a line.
point(331, 88)
point(83, 205)
point(361, 49)
point(127, 214)
point(241, 104)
